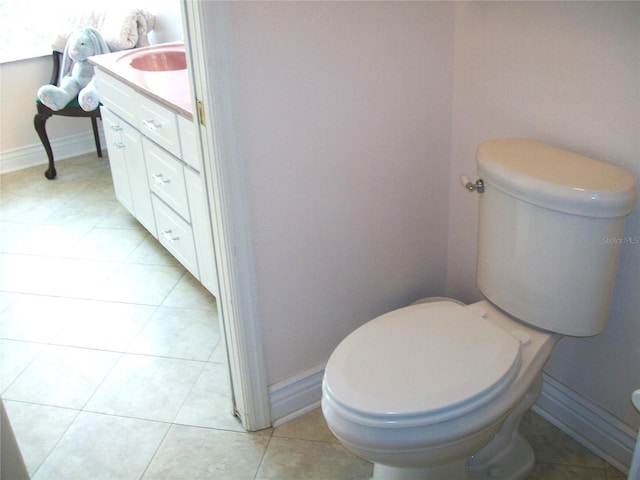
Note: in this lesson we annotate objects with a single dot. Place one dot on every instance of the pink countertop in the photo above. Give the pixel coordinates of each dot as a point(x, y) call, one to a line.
point(169, 87)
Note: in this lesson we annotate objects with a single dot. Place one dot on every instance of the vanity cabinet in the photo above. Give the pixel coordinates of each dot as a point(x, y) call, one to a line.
point(156, 171)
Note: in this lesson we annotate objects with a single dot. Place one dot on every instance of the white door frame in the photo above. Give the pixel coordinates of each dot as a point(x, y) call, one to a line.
point(207, 37)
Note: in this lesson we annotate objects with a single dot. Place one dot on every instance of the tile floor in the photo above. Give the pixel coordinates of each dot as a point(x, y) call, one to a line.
point(111, 359)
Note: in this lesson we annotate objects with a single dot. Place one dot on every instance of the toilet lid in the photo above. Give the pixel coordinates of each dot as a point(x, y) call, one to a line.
point(436, 359)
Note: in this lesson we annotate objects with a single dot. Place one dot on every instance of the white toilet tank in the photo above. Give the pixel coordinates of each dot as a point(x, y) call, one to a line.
point(550, 232)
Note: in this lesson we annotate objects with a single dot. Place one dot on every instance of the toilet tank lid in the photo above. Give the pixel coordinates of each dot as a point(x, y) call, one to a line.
point(557, 179)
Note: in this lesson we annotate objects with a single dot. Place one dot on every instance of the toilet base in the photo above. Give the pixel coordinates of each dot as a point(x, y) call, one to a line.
point(508, 456)
point(449, 471)
point(515, 463)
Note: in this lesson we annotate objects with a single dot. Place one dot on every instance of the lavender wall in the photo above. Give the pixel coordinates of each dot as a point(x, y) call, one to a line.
point(344, 117)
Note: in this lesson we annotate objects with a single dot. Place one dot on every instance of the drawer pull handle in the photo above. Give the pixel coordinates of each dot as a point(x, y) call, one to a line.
point(116, 128)
point(119, 145)
point(152, 124)
point(166, 234)
point(158, 178)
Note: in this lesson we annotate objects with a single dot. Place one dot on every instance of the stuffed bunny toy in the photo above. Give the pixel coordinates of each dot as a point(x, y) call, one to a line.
point(77, 72)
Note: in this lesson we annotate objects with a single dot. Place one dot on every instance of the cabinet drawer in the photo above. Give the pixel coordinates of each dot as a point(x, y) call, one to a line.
point(118, 97)
point(176, 235)
point(166, 178)
point(159, 124)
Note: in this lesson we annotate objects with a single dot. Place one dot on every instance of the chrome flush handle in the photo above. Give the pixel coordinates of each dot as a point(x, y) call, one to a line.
point(469, 185)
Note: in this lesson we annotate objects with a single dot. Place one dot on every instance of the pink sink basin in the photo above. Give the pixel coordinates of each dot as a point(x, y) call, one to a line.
point(160, 61)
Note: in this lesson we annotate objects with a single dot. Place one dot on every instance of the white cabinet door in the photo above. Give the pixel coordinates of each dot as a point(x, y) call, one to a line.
point(128, 169)
point(136, 166)
point(117, 158)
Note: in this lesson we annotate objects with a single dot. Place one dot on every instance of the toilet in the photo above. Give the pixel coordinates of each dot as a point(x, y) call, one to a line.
point(436, 390)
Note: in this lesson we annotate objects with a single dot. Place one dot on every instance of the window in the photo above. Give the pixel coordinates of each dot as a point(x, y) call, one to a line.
point(29, 27)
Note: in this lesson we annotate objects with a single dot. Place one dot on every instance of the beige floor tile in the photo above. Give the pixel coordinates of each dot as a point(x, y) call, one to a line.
point(119, 217)
point(6, 300)
point(15, 356)
point(292, 459)
point(552, 446)
point(62, 376)
point(198, 453)
point(96, 191)
point(614, 474)
point(62, 277)
point(78, 211)
point(35, 318)
point(219, 354)
point(178, 333)
point(38, 429)
point(38, 239)
point(548, 471)
point(103, 447)
point(209, 404)
point(31, 209)
point(151, 388)
point(135, 283)
point(102, 325)
point(151, 252)
point(311, 426)
point(190, 293)
point(112, 244)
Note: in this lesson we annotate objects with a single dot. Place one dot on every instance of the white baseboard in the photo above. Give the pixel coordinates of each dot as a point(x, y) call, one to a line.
point(296, 395)
point(33, 155)
point(588, 424)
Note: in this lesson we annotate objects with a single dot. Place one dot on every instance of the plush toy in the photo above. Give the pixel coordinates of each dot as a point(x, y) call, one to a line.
point(77, 72)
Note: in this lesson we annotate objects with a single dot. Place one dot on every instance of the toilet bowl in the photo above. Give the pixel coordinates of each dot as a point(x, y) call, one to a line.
point(436, 390)
point(484, 365)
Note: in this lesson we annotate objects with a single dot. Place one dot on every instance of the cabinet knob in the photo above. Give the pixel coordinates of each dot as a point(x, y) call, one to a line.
point(168, 236)
point(159, 179)
point(152, 124)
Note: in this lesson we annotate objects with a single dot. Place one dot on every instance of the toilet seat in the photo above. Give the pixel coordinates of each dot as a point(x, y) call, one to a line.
point(421, 364)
